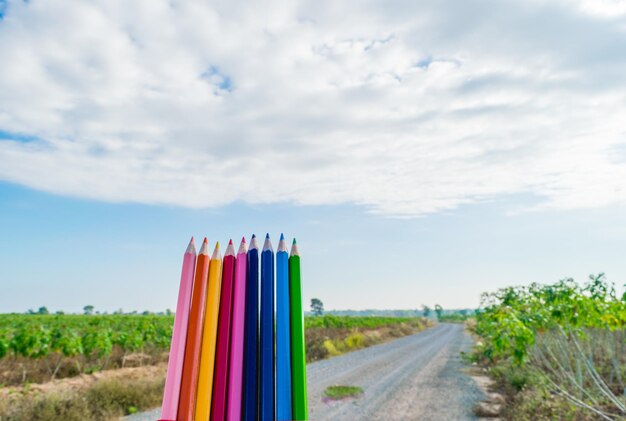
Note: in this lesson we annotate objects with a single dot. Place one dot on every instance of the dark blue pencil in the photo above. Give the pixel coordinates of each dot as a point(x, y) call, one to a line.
point(251, 355)
point(267, 332)
point(283, 337)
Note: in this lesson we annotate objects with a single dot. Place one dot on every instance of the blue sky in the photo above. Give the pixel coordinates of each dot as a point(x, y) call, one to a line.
point(445, 148)
point(65, 253)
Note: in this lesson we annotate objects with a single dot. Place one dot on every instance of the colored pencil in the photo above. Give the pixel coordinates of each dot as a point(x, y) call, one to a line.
point(171, 394)
point(191, 365)
point(298, 347)
point(266, 368)
point(235, 379)
point(220, 381)
point(251, 358)
point(209, 338)
point(283, 341)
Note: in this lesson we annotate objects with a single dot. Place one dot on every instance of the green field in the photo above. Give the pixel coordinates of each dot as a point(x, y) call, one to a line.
point(37, 348)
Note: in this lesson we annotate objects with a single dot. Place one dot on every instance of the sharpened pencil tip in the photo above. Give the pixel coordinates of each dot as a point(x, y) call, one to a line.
point(230, 242)
point(191, 247)
point(216, 252)
point(294, 240)
point(282, 237)
point(267, 235)
point(253, 235)
point(205, 247)
point(243, 239)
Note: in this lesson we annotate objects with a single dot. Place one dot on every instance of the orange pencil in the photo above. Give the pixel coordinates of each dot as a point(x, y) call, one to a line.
point(191, 366)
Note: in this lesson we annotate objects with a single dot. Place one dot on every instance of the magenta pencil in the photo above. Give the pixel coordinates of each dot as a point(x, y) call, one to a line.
point(171, 392)
point(235, 384)
point(222, 353)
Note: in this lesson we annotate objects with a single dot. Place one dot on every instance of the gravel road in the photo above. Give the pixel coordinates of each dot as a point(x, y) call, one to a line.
point(413, 378)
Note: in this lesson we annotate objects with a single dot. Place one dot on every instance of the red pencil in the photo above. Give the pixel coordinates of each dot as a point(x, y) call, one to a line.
point(220, 381)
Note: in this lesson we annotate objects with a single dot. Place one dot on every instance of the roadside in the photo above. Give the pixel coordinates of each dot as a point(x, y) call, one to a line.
point(114, 393)
point(418, 377)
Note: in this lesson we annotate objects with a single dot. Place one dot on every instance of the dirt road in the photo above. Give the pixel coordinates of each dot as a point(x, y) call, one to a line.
point(414, 378)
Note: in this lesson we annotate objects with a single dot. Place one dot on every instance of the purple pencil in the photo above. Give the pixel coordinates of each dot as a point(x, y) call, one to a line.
point(171, 392)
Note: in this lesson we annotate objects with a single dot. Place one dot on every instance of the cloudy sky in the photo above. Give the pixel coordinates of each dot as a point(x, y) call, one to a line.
point(480, 143)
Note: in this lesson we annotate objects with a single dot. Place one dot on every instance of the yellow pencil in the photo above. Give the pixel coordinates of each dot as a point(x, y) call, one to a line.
point(209, 338)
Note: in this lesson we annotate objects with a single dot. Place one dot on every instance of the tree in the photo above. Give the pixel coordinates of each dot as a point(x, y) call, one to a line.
point(425, 310)
point(88, 309)
point(439, 311)
point(43, 310)
point(317, 307)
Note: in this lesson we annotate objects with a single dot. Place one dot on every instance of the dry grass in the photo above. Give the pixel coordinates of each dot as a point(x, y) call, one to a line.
point(104, 396)
point(324, 343)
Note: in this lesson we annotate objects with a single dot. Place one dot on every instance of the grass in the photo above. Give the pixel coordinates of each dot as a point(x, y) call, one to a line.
point(103, 400)
point(342, 392)
point(325, 342)
point(112, 397)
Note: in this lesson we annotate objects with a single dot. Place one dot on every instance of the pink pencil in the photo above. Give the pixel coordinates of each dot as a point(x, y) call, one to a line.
point(171, 393)
point(235, 384)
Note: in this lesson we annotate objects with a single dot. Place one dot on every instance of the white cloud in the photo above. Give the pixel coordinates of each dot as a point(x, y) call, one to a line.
point(404, 107)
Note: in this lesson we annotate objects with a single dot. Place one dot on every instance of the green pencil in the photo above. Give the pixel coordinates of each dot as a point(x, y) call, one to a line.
point(298, 355)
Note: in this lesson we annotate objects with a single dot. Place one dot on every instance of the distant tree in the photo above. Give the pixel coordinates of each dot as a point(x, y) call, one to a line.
point(425, 310)
point(463, 312)
point(88, 309)
point(43, 310)
point(146, 313)
point(31, 311)
point(317, 307)
point(439, 311)
point(60, 312)
point(168, 312)
point(119, 311)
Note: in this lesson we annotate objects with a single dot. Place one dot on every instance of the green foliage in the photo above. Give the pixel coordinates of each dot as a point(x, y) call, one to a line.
point(317, 307)
point(439, 311)
point(342, 392)
point(330, 321)
point(37, 336)
point(511, 317)
point(457, 317)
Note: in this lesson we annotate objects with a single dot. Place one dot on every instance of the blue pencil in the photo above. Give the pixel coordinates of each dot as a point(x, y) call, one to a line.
point(267, 332)
point(283, 336)
point(251, 355)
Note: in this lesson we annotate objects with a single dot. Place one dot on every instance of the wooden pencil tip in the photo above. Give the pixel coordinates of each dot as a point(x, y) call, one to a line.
point(267, 236)
point(282, 237)
point(216, 252)
point(205, 241)
point(253, 235)
point(294, 240)
point(243, 239)
point(230, 242)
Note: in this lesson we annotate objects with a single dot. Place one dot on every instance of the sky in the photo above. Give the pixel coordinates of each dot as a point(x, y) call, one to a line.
point(421, 152)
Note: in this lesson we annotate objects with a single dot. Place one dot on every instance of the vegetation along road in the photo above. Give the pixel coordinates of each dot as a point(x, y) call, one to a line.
point(415, 377)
